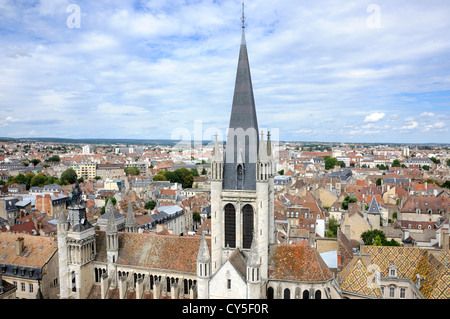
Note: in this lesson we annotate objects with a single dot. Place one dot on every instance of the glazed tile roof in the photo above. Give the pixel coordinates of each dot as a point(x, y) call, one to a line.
point(406, 259)
point(356, 281)
point(436, 273)
point(433, 268)
point(297, 262)
point(148, 250)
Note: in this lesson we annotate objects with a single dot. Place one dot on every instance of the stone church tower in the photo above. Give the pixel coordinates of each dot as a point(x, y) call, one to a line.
point(76, 249)
point(242, 205)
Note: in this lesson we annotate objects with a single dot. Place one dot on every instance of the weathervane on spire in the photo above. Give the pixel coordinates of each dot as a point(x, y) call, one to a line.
point(243, 15)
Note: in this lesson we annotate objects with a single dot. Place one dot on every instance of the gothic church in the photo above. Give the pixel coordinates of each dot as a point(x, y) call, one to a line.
point(240, 260)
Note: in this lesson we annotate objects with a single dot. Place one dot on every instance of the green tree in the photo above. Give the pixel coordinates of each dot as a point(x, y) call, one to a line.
point(377, 241)
point(448, 162)
point(281, 172)
point(133, 171)
point(159, 177)
point(379, 181)
point(204, 172)
point(35, 161)
point(38, 180)
point(348, 200)
point(196, 217)
point(377, 237)
point(194, 172)
point(69, 176)
point(396, 163)
point(330, 162)
point(435, 160)
point(20, 179)
point(54, 158)
point(333, 225)
point(28, 177)
point(446, 184)
point(150, 204)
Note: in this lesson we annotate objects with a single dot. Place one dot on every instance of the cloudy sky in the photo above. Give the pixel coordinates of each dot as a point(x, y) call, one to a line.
point(331, 71)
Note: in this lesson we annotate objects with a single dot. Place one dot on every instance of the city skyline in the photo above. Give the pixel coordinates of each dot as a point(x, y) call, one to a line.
point(361, 72)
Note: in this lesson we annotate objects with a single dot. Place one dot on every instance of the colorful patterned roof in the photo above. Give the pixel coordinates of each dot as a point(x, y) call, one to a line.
point(406, 259)
point(432, 267)
point(356, 282)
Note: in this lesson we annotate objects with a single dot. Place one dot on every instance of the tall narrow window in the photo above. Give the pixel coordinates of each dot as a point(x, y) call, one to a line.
point(240, 177)
point(230, 226)
point(247, 226)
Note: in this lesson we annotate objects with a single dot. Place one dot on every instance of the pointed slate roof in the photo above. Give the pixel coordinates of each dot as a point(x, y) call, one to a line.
point(130, 221)
point(111, 226)
point(253, 257)
point(243, 127)
point(203, 251)
point(243, 111)
point(373, 208)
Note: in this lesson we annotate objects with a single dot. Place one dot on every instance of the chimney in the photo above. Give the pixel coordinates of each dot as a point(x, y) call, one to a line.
point(339, 260)
point(19, 245)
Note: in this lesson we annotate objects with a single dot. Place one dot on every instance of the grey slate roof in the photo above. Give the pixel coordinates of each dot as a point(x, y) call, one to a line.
point(373, 207)
point(243, 116)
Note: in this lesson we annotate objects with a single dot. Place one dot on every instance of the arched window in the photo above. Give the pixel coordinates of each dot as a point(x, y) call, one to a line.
point(270, 293)
point(230, 226)
point(287, 294)
point(318, 294)
point(247, 226)
point(306, 294)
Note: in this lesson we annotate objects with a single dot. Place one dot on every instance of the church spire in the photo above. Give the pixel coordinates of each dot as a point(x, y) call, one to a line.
point(242, 138)
point(130, 224)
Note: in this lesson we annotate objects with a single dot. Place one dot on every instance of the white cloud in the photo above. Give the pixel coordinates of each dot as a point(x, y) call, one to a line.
point(412, 125)
point(169, 61)
point(374, 117)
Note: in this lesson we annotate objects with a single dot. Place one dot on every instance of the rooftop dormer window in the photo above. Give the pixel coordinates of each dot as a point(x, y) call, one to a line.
point(392, 271)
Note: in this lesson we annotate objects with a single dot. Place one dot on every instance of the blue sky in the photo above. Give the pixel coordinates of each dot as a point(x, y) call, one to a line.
point(344, 71)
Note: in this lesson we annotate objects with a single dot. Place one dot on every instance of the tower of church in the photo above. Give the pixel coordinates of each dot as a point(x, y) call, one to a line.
point(76, 248)
point(242, 190)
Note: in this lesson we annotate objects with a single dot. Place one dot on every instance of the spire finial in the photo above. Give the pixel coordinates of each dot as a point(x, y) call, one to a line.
point(243, 15)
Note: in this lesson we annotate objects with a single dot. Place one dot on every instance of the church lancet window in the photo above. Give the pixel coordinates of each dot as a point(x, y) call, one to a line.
point(230, 226)
point(240, 177)
point(247, 226)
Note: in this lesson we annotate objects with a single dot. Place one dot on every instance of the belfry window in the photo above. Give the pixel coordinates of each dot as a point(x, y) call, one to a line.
point(230, 226)
point(247, 226)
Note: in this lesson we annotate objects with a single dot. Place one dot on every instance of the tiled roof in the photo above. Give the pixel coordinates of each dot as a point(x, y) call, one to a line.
point(297, 262)
point(436, 273)
point(411, 261)
point(406, 259)
point(356, 281)
point(37, 250)
point(169, 252)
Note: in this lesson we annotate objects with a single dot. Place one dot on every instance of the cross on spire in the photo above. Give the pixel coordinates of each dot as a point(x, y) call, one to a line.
point(243, 15)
